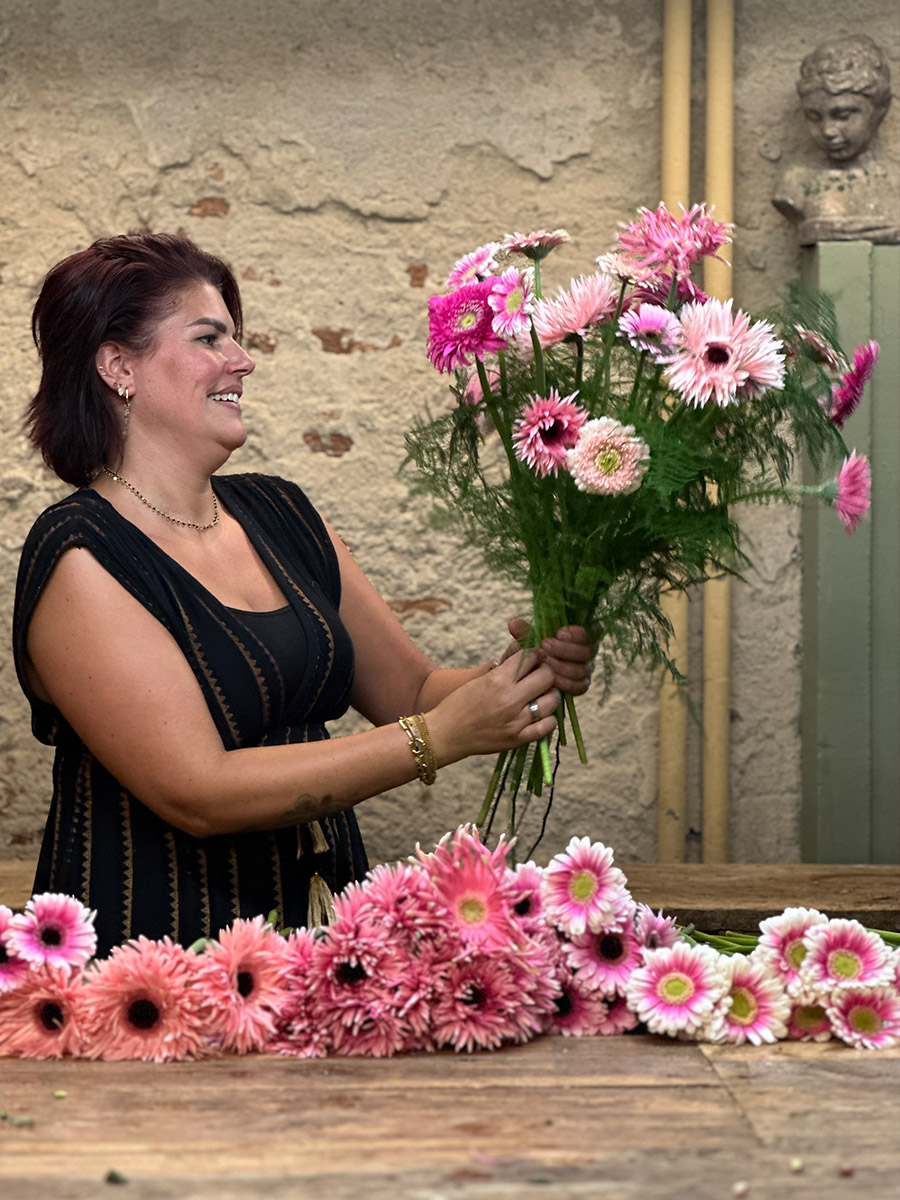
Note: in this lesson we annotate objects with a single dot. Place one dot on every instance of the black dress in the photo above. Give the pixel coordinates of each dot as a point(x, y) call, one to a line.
point(101, 844)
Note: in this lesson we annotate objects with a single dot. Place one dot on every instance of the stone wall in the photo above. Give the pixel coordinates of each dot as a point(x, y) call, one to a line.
point(341, 154)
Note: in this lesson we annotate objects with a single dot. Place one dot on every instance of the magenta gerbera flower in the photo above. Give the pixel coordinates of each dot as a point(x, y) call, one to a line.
point(809, 1023)
point(604, 961)
point(723, 356)
point(535, 245)
point(847, 392)
point(581, 888)
point(650, 327)
point(868, 1018)
point(12, 967)
point(665, 244)
point(53, 929)
point(852, 490)
point(512, 300)
point(461, 326)
point(42, 1017)
point(760, 1008)
point(142, 1003)
point(589, 300)
point(782, 944)
point(677, 989)
point(844, 953)
point(653, 930)
point(474, 267)
point(243, 976)
point(546, 430)
point(608, 459)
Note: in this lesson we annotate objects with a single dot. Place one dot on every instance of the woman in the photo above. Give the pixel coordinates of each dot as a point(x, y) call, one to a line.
point(183, 637)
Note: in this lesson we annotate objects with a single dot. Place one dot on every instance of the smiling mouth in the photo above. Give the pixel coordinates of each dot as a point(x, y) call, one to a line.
point(227, 398)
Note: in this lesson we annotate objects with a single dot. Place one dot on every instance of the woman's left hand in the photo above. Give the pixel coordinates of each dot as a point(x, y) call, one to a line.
point(568, 655)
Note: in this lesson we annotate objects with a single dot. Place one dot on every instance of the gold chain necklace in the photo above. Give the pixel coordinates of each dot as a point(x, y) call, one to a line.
point(159, 512)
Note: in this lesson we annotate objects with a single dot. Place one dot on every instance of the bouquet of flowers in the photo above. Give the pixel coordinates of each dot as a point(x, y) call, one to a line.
point(600, 438)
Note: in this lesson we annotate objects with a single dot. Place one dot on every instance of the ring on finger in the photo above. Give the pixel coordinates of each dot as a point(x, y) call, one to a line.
point(533, 710)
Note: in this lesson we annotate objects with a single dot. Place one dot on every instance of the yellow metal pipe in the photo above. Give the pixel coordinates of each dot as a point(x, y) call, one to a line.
point(676, 184)
point(719, 191)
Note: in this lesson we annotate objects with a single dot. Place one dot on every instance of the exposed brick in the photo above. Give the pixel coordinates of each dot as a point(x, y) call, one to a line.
point(210, 206)
point(339, 341)
point(432, 605)
point(265, 343)
point(417, 273)
point(331, 444)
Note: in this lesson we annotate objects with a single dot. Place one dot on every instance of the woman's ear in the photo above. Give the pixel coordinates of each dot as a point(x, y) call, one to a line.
point(113, 367)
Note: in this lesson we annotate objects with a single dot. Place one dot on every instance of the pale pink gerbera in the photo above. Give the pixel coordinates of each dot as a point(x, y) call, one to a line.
point(581, 888)
point(653, 930)
point(535, 245)
point(847, 392)
point(12, 967)
point(821, 350)
point(142, 1003)
point(844, 953)
point(546, 430)
point(461, 326)
point(678, 988)
point(512, 299)
point(589, 300)
point(604, 961)
point(782, 944)
point(669, 245)
point(243, 977)
point(722, 356)
point(809, 1023)
point(474, 267)
point(42, 1017)
point(760, 1007)
point(852, 490)
point(868, 1018)
point(650, 327)
point(53, 929)
point(608, 459)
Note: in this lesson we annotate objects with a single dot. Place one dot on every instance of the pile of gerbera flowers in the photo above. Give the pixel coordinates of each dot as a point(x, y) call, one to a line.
point(455, 949)
point(599, 438)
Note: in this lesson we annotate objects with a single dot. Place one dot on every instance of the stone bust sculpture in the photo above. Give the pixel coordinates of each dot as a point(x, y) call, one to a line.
point(845, 91)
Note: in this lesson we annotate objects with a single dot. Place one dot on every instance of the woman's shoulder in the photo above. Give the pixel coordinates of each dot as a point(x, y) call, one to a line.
point(79, 515)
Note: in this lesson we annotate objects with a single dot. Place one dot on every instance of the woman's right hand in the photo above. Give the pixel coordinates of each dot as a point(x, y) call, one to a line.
point(491, 713)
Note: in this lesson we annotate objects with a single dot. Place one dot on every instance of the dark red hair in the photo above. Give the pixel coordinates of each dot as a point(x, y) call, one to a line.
point(117, 290)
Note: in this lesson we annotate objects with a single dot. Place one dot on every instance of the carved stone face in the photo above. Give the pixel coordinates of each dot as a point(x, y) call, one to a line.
point(841, 125)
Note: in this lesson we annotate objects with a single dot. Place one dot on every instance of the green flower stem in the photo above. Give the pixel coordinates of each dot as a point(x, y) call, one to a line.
point(538, 293)
point(576, 727)
point(579, 362)
point(636, 386)
point(540, 374)
point(887, 935)
point(501, 362)
point(547, 770)
point(492, 788)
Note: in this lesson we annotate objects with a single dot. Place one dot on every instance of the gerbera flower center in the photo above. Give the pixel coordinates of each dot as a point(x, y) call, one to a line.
point(611, 947)
point(143, 1013)
point(474, 996)
point(744, 1007)
point(522, 909)
point(552, 433)
point(717, 354)
point(467, 319)
point(844, 963)
point(51, 936)
point(563, 1004)
point(608, 460)
point(864, 1019)
point(583, 885)
point(351, 973)
point(795, 954)
point(514, 300)
point(675, 988)
point(50, 1016)
point(472, 910)
point(4, 956)
point(245, 983)
point(809, 1016)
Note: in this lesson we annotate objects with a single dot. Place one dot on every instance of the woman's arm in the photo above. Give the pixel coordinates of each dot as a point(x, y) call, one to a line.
point(123, 684)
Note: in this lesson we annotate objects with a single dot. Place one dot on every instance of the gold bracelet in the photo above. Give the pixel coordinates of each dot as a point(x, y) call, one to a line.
point(420, 747)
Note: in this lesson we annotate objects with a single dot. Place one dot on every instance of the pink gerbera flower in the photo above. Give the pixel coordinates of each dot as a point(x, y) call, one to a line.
point(847, 392)
point(608, 459)
point(604, 961)
point(782, 944)
point(243, 976)
point(809, 1023)
point(677, 989)
point(473, 393)
point(477, 898)
point(512, 300)
point(844, 953)
point(353, 967)
point(142, 1003)
point(760, 1007)
point(721, 355)
point(868, 1018)
point(400, 897)
point(669, 245)
point(821, 350)
point(589, 300)
point(546, 430)
point(535, 245)
point(852, 490)
point(42, 1017)
point(478, 1004)
point(581, 888)
point(375, 1030)
point(12, 967)
point(53, 929)
point(653, 930)
point(650, 327)
point(579, 1011)
point(619, 1018)
point(474, 267)
point(300, 1034)
point(526, 889)
point(461, 326)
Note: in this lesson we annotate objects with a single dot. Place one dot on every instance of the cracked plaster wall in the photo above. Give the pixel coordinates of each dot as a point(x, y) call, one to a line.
point(341, 154)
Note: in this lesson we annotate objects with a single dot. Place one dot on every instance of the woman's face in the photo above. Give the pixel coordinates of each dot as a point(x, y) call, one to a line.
point(841, 125)
point(189, 383)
